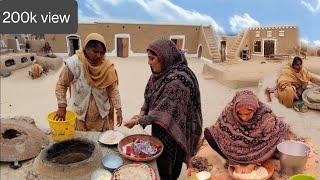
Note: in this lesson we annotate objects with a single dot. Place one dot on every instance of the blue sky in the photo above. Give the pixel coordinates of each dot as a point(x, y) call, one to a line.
point(227, 16)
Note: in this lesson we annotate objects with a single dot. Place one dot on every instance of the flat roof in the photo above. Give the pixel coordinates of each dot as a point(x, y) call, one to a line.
point(274, 27)
point(145, 23)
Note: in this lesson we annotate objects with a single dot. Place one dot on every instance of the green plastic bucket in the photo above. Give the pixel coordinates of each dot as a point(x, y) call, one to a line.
point(302, 177)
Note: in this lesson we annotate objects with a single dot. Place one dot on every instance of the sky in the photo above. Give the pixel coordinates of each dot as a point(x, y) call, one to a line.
point(225, 16)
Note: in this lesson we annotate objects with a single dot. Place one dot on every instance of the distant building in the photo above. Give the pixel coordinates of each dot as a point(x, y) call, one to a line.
point(130, 39)
point(263, 41)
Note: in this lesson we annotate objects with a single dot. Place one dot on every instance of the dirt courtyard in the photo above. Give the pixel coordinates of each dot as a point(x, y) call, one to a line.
point(20, 95)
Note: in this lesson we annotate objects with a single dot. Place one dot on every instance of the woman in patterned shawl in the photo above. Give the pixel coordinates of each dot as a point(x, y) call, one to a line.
point(172, 106)
point(246, 133)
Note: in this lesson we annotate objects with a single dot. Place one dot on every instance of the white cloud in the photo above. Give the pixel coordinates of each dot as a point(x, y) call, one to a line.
point(113, 2)
point(96, 7)
point(316, 43)
point(241, 22)
point(97, 11)
point(306, 41)
point(160, 10)
point(164, 10)
point(312, 8)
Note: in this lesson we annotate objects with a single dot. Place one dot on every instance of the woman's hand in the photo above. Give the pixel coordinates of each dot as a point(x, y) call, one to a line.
point(244, 169)
point(119, 117)
point(133, 121)
point(61, 114)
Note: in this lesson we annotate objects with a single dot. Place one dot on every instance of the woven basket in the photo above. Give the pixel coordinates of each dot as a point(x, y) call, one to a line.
point(310, 105)
point(267, 164)
point(131, 138)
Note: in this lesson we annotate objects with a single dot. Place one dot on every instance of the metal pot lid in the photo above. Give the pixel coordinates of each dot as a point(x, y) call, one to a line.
point(20, 139)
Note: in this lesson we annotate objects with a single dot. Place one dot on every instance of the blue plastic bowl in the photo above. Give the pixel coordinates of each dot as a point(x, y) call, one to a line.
point(112, 162)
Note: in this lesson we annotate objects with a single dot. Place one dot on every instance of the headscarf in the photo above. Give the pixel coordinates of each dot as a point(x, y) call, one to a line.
point(246, 101)
point(172, 97)
point(101, 75)
point(288, 76)
point(248, 142)
point(168, 53)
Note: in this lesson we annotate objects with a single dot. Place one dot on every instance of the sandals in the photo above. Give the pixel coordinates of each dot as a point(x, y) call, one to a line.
point(299, 106)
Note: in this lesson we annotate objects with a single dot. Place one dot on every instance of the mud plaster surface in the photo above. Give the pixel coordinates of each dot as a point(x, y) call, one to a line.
point(28, 172)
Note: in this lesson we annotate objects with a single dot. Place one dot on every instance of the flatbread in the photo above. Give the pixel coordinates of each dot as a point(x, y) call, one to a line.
point(101, 174)
point(256, 174)
point(111, 137)
point(134, 172)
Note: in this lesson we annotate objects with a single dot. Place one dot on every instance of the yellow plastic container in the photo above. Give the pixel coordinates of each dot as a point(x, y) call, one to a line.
point(62, 130)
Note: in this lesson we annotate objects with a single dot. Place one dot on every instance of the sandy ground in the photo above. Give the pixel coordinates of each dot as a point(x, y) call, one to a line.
point(21, 95)
point(240, 73)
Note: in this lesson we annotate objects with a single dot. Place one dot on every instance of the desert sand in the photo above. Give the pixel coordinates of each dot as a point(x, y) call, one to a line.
point(20, 95)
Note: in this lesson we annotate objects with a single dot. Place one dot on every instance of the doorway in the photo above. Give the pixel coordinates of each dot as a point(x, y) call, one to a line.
point(269, 46)
point(223, 45)
point(200, 52)
point(123, 47)
point(73, 44)
point(178, 42)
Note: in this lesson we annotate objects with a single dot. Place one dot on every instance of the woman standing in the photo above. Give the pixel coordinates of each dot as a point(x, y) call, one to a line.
point(172, 106)
point(94, 87)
